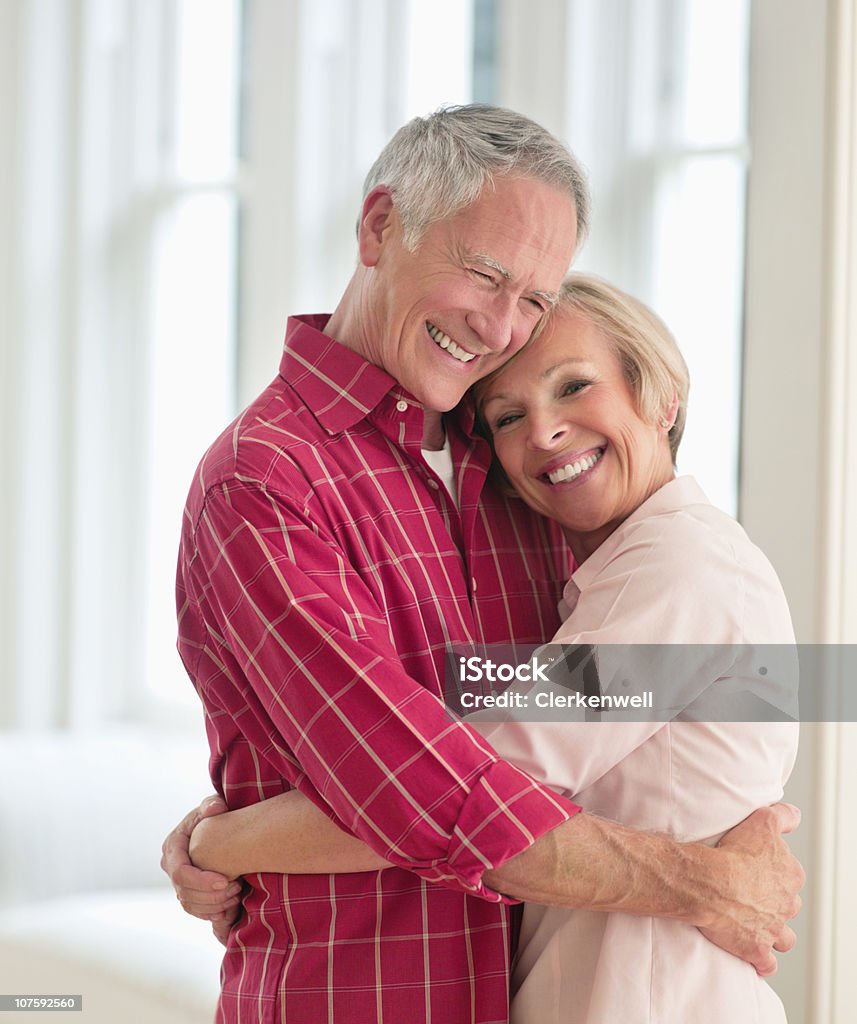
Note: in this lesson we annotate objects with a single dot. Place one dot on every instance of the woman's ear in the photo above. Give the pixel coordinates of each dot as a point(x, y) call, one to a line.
point(672, 412)
point(376, 218)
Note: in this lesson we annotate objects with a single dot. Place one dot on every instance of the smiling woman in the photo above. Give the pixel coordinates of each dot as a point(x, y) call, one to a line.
point(586, 431)
point(586, 422)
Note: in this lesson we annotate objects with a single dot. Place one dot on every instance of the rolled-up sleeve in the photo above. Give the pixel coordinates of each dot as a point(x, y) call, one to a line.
point(283, 635)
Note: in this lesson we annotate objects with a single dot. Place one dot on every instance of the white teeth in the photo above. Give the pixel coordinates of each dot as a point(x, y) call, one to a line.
point(447, 343)
point(574, 469)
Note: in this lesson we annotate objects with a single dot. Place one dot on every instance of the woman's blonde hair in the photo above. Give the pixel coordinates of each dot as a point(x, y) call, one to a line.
point(651, 360)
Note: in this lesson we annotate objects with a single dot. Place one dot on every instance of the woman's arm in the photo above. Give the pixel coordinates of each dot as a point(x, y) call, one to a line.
point(287, 834)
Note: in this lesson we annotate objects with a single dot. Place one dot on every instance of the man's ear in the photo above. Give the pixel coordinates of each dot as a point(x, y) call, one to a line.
point(376, 219)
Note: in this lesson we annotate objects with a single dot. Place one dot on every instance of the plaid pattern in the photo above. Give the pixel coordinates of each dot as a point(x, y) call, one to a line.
point(323, 570)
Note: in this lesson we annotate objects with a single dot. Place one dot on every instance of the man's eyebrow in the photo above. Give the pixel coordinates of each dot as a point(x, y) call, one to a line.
point(491, 263)
point(550, 298)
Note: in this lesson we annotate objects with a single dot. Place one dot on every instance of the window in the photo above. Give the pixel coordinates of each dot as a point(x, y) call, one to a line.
point(657, 109)
point(188, 207)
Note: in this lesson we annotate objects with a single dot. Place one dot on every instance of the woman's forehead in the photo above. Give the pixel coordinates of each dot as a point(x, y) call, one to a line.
point(568, 337)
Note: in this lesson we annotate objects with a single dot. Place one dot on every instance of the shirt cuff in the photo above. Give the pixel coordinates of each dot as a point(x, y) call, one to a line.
point(503, 815)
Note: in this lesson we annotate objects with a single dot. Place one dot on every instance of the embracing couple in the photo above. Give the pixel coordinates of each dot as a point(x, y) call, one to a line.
point(469, 438)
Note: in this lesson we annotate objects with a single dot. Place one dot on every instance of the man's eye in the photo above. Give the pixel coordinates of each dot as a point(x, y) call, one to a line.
point(481, 274)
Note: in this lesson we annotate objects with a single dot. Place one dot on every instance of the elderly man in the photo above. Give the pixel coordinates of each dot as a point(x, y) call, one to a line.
point(337, 538)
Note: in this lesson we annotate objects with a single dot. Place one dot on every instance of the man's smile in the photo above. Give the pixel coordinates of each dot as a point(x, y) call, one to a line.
point(446, 343)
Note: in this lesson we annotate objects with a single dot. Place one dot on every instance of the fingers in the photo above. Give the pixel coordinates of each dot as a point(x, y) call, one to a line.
point(211, 886)
point(204, 894)
point(224, 910)
point(174, 850)
point(765, 964)
point(212, 805)
point(786, 940)
point(788, 816)
point(222, 925)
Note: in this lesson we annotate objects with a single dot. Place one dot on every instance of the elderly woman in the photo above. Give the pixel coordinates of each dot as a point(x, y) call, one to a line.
point(586, 422)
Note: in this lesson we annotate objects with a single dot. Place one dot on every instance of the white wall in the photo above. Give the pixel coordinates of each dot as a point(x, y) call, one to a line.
point(799, 464)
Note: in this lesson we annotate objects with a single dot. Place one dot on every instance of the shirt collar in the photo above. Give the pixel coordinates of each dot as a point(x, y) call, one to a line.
point(335, 383)
point(676, 494)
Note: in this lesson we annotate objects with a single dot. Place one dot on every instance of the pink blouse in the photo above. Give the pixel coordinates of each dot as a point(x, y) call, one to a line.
point(677, 572)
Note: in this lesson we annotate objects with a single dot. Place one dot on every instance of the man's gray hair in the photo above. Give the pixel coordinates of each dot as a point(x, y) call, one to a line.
point(437, 165)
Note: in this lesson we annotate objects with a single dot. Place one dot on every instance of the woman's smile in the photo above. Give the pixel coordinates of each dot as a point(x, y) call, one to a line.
point(567, 431)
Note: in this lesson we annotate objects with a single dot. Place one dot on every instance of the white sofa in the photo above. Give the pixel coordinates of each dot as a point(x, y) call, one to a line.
point(84, 907)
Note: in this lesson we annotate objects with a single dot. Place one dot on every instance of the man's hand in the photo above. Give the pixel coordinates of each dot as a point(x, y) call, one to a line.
point(740, 894)
point(764, 879)
point(205, 894)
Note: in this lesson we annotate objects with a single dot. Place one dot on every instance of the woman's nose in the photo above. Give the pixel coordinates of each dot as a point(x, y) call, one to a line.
point(546, 431)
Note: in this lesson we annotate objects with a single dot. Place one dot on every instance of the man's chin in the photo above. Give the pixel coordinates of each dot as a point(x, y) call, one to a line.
point(444, 403)
point(442, 399)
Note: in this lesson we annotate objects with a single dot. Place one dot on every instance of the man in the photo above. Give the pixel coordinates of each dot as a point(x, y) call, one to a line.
point(337, 538)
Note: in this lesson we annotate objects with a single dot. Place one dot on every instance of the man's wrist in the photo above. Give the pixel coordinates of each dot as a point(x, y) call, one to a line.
point(646, 873)
point(596, 864)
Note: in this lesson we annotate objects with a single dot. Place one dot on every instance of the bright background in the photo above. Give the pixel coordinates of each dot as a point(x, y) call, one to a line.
point(181, 175)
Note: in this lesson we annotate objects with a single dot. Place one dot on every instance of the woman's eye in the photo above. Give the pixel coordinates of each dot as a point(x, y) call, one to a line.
point(505, 420)
point(572, 387)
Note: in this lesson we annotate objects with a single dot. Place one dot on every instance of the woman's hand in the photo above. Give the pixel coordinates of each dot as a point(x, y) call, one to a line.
point(208, 895)
point(211, 847)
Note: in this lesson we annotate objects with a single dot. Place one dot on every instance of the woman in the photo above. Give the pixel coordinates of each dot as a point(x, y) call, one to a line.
point(586, 422)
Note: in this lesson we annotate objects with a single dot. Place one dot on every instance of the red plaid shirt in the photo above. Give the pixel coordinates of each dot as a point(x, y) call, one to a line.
point(323, 571)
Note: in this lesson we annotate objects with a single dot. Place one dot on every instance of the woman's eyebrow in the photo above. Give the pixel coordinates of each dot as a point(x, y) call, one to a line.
point(549, 372)
point(494, 398)
point(562, 365)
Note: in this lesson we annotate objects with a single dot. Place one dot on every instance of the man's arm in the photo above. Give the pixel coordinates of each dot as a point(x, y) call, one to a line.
point(740, 894)
point(292, 652)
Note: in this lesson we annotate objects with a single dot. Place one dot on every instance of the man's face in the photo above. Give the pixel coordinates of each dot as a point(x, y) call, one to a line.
point(469, 297)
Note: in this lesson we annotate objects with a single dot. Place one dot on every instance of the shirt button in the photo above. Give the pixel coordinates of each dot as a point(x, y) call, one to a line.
point(402, 406)
point(435, 486)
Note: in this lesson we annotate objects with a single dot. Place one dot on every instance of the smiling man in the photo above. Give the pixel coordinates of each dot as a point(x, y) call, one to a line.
point(337, 538)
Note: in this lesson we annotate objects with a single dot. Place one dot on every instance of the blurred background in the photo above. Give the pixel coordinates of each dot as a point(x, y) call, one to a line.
point(177, 177)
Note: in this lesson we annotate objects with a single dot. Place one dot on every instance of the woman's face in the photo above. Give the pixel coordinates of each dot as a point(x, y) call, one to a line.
point(568, 434)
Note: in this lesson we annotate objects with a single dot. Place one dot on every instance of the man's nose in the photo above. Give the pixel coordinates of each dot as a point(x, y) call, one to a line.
point(495, 321)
